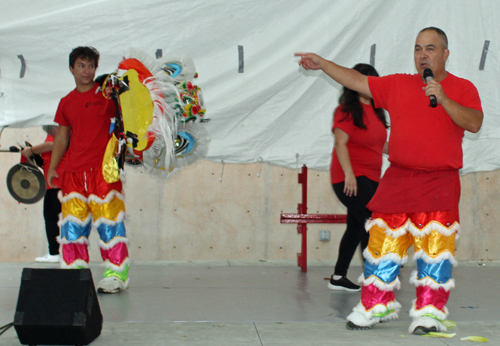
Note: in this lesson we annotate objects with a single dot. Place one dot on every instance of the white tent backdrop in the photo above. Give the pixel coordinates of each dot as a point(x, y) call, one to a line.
point(273, 110)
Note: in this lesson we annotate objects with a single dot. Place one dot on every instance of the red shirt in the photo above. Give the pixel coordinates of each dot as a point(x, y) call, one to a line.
point(46, 156)
point(365, 145)
point(89, 116)
point(421, 136)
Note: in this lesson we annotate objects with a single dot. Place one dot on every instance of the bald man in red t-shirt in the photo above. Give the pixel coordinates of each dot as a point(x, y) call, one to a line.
point(417, 200)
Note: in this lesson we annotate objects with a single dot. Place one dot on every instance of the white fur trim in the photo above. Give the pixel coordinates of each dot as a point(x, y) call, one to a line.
point(395, 233)
point(74, 219)
point(81, 240)
point(375, 281)
point(361, 317)
point(64, 199)
point(120, 218)
point(144, 58)
point(427, 322)
point(392, 306)
point(390, 256)
point(429, 282)
point(109, 197)
point(381, 308)
point(74, 265)
point(112, 243)
point(112, 284)
point(430, 309)
point(434, 226)
point(116, 268)
point(430, 260)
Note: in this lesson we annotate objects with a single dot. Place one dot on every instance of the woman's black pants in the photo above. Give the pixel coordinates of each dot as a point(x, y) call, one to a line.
point(357, 214)
point(51, 210)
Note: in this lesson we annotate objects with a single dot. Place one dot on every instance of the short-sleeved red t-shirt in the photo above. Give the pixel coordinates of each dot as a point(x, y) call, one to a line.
point(89, 116)
point(46, 156)
point(365, 146)
point(422, 136)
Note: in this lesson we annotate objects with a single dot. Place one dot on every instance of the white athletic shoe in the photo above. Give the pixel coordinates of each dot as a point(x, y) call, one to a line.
point(111, 284)
point(48, 258)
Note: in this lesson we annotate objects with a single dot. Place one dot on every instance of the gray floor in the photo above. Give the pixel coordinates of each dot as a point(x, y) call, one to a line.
point(261, 303)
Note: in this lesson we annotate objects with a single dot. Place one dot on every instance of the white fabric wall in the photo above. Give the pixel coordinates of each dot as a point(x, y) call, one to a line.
point(274, 110)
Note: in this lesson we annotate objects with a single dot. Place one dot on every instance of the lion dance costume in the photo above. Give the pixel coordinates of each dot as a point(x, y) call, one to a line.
point(156, 106)
point(415, 204)
point(433, 236)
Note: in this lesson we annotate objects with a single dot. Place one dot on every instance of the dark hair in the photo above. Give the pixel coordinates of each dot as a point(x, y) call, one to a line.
point(440, 32)
point(352, 107)
point(50, 129)
point(85, 53)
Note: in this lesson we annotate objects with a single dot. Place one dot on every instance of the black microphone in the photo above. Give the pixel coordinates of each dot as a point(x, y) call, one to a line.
point(428, 76)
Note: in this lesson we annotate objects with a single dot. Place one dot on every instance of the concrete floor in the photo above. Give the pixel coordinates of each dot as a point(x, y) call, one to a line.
point(261, 303)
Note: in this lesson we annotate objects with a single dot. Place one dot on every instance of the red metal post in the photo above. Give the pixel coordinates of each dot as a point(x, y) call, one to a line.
point(302, 219)
point(302, 227)
point(313, 218)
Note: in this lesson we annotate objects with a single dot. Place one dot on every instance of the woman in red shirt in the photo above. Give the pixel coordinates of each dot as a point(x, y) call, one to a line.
point(360, 132)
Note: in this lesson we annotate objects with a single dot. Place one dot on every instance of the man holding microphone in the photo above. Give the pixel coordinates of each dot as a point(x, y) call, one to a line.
point(417, 200)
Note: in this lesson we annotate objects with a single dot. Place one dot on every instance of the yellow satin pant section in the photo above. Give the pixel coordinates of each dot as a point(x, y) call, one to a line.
point(75, 207)
point(434, 244)
point(380, 244)
point(109, 211)
point(79, 209)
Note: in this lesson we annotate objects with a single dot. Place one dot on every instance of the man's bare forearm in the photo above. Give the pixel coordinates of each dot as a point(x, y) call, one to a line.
point(59, 147)
point(347, 77)
point(467, 118)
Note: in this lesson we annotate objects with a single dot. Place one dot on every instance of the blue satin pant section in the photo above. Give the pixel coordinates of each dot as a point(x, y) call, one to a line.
point(107, 233)
point(386, 271)
point(72, 231)
point(439, 272)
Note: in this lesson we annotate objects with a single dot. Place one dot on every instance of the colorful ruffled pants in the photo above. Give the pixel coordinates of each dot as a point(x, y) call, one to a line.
point(433, 236)
point(86, 197)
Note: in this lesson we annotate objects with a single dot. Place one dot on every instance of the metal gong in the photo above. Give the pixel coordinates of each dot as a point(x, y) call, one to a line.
point(26, 183)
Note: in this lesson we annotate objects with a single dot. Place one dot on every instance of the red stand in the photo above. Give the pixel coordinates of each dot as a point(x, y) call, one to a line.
point(302, 219)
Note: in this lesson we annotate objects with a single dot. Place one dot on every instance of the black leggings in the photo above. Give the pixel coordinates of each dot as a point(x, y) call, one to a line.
point(51, 210)
point(357, 214)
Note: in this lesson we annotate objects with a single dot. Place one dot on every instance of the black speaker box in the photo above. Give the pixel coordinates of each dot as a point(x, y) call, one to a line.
point(57, 307)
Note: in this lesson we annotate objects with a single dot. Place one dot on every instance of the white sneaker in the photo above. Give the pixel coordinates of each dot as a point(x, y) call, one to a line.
point(48, 258)
point(111, 284)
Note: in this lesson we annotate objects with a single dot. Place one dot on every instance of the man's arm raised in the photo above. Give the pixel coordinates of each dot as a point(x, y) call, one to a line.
point(58, 149)
point(347, 77)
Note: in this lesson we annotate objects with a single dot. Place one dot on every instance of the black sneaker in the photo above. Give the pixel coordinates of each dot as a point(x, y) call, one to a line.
point(343, 284)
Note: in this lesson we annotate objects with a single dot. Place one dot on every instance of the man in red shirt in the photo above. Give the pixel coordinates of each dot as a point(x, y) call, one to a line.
point(86, 115)
point(417, 199)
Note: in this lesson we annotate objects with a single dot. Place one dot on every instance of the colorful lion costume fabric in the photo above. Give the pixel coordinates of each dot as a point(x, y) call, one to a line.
point(159, 115)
